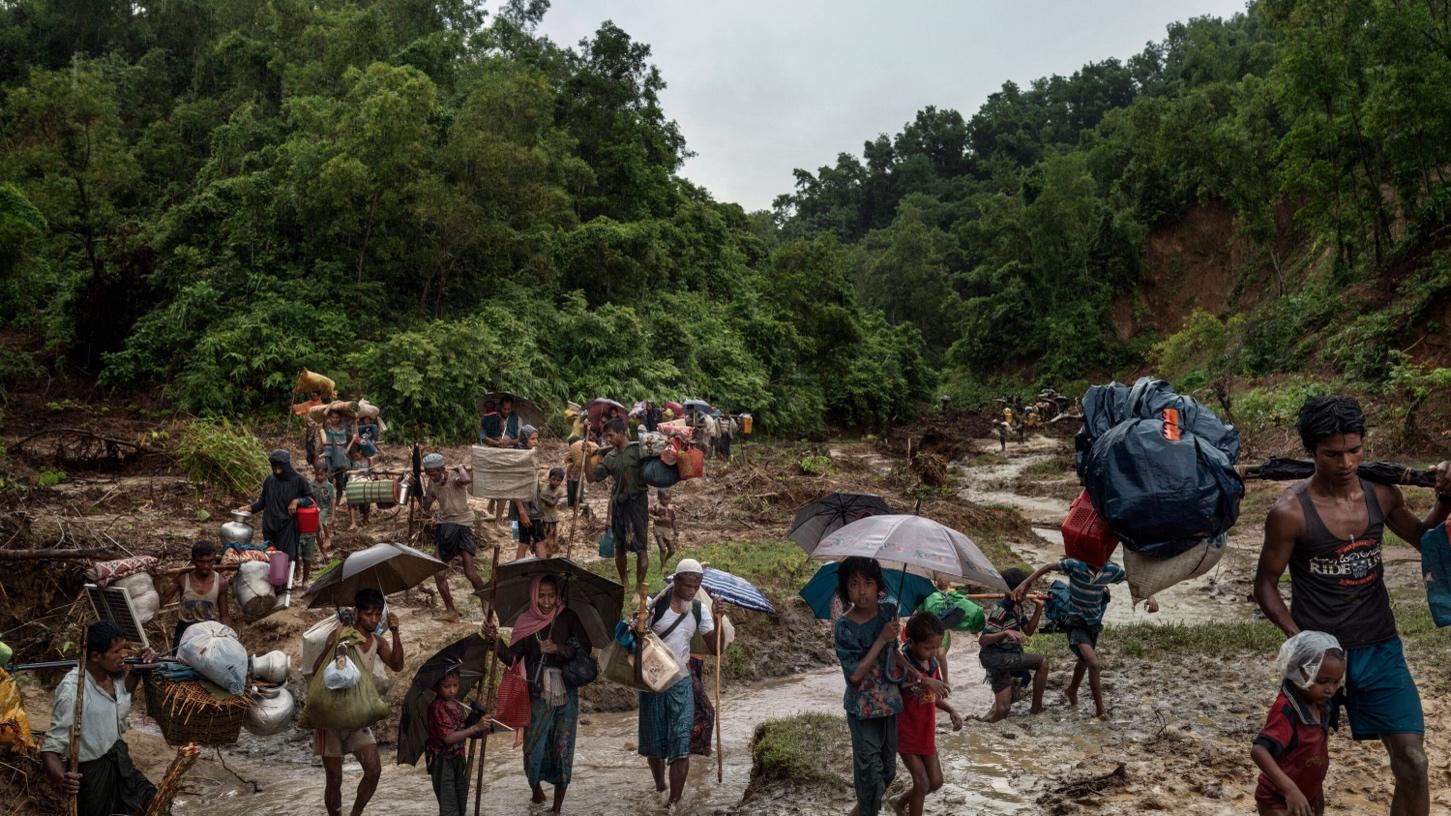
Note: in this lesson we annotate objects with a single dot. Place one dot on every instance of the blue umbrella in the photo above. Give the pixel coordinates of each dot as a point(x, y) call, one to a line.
point(907, 590)
point(733, 589)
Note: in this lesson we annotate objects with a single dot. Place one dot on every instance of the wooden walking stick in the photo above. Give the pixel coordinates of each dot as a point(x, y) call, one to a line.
point(73, 764)
point(719, 751)
point(488, 685)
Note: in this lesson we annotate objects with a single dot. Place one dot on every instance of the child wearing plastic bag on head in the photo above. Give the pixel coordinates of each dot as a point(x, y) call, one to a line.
point(1292, 750)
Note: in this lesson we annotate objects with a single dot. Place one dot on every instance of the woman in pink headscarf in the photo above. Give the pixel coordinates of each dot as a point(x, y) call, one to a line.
point(545, 637)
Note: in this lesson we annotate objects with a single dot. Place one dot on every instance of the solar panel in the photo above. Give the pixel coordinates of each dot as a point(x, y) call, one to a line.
point(113, 604)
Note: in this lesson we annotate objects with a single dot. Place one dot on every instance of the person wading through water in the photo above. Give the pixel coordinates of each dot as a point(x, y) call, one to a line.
point(106, 782)
point(1328, 530)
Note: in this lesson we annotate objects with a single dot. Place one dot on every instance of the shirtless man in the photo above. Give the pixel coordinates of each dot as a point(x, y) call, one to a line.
point(1328, 530)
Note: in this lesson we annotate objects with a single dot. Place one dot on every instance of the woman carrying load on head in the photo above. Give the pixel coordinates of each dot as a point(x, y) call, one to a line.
point(546, 637)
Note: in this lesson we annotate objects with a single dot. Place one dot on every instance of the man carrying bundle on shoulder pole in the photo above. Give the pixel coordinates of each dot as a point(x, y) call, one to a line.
point(1328, 531)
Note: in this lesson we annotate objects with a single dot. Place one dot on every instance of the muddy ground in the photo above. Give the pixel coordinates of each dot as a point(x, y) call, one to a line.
point(1180, 724)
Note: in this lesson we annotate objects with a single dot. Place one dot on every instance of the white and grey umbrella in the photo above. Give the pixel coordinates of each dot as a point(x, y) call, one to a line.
point(913, 544)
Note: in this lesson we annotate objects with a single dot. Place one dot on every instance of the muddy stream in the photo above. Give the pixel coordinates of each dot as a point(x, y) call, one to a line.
point(988, 769)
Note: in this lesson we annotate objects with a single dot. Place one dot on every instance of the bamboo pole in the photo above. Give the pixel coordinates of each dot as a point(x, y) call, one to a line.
point(719, 750)
point(488, 685)
point(73, 764)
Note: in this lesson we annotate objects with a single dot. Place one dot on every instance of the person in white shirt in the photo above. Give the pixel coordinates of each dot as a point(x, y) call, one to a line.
point(665, 718)
point(107, 782)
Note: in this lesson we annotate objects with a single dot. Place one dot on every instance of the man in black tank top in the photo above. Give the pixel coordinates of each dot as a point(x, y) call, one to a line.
point(1328, 531)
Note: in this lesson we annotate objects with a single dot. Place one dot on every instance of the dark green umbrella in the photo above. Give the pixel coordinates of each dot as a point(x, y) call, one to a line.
point(596, 599)
point(467, 657)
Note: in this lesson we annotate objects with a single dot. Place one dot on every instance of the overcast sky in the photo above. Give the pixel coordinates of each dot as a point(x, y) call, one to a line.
point(761, 88)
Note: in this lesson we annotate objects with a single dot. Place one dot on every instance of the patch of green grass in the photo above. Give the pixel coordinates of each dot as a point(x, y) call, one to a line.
point(778, 567)
point(1156, 641)
point(49, 478)
point(816, 464)
point(791, 749)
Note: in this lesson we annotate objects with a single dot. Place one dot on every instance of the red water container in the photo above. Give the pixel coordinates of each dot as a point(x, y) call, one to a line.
point(308, 519)
point(277, 565)
point(691, 463)
point(1085, 535)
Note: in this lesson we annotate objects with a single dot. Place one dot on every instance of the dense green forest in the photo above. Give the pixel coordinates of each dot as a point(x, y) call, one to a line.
point(424, 200)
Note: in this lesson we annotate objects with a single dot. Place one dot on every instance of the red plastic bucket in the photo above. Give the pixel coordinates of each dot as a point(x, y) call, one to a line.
point(1085, 535)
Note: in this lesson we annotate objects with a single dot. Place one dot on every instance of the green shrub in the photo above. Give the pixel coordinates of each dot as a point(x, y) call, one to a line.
point(218, 455)
point(1278, 405)
point(790, 749)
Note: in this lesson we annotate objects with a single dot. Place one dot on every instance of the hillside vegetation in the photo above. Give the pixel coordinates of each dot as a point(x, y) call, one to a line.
point(422, 200)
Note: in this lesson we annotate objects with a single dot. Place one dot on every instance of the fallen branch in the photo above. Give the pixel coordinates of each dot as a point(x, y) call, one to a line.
point(38, 555)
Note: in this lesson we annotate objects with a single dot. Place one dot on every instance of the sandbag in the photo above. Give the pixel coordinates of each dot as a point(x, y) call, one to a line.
point(314, 641)
point(310, 381)
point(1148, 576)
point(216, 653)
point(653, 443)
point(144, 599)
point(349, 709)
point(503, 473)
point(1158, 467)
point(105, 573)
point(657, 473)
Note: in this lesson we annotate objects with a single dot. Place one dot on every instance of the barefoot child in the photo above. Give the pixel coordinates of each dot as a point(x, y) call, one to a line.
point(917, 724)
point(1087, 592)
point(866, 638)
point(865, 642)
point(1009, 625)
point(445, 746)
point(664, 516)
point(1292, 751)
point(310, 546)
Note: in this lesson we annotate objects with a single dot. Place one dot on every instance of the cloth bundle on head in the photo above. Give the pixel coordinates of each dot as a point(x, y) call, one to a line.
point(1301, 656)
point(433, 461)
point(532, 619)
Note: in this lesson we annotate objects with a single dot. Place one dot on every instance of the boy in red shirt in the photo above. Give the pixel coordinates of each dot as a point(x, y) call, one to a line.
point(1293, 750)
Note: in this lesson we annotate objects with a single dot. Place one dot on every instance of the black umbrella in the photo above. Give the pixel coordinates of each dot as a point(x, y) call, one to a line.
point(386, 567)
point(1386, 473)
point(596, 599)
point(830, 513)
point(466, 656)
point(528, 412)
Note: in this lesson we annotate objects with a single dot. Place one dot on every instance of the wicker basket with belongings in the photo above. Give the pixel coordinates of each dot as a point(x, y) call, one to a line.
point(196, 711)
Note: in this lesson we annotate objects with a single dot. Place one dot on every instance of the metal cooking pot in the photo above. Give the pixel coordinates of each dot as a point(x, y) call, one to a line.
point(239, 529)
point(271, 667)
point(272, 713)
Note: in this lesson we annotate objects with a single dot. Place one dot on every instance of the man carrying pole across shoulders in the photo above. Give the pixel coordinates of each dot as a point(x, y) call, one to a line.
point(1328, 530)
point(106, 781)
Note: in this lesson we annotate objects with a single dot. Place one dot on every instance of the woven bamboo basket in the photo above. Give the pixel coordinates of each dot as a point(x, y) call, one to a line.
point(185, 712)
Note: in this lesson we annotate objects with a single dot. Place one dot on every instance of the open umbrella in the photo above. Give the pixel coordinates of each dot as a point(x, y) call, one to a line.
point(907, 587)
point(466, 656)
point(605, 401)
point(528, 412)
point(388, 568)
point(700, 405)
point(830, 513)
point(735, 590)
point(596, 599)
point(911, 541)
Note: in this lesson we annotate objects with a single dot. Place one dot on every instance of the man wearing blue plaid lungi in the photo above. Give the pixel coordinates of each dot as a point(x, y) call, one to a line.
point(665, 718)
